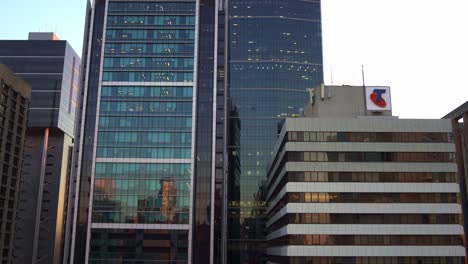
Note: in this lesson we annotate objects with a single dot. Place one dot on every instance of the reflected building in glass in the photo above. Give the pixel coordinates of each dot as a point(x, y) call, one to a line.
point(146, 152)
point(275, 55)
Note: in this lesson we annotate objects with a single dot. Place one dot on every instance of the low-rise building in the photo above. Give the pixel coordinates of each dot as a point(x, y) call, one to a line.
point(367, 188)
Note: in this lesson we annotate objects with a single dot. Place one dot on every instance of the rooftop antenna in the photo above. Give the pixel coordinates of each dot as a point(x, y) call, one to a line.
point(364, 85)
point(363, 79)
point(311, 95)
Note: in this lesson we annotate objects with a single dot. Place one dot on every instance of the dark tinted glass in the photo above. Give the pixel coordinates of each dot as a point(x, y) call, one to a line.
point(138, 246)
point(275, 52)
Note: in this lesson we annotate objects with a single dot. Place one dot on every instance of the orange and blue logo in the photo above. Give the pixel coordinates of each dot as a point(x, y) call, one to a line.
point(377, 99)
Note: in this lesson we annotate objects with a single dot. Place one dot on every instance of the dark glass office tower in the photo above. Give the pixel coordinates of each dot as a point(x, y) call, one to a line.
point(51, 67)
point(146, 151)
point(209, 177)
point(275, 54)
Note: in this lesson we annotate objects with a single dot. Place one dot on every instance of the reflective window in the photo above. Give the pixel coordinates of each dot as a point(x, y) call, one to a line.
point(152, 7)
point(121, 76)
point(146, 107)
point(150, 63)
point(371, 156)
point(165, 49)
point(141, 193)
point(119, 92)
point(147, 34)
point(367, 240)
point(152, 122)
point(150, 20)
point(367, 219)
point(314, 176)
point(138, 246)
point(367, 260)
point(370, 198)
point(368, 137)
point(146, 152)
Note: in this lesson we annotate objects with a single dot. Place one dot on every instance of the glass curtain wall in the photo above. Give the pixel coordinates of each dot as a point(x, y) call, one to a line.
point(208, 243)
point(83, 159)
point(142, 163)
point(275, 54)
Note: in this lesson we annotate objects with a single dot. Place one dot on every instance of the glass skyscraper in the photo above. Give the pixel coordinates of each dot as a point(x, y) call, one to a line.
point(138, 155)
point(275, 55)
point(180, 108)
point(145, 155)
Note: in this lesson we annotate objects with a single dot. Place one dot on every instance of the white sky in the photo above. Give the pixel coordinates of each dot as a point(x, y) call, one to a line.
point(418, 47)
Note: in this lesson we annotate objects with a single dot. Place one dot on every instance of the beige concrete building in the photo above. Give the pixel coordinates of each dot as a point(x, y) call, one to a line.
point(340, 101)
point(354, 185)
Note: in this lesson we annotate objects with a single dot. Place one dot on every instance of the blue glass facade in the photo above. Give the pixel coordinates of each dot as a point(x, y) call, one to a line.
point(275, 54)
point(155, 188)
point(137, 147)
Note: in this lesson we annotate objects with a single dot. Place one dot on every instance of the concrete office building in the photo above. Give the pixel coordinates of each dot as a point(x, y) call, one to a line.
point(459, 116)
point(14, 104)
point(343, 101)
point(51, 67)
point(146, 151)
point(356, 185)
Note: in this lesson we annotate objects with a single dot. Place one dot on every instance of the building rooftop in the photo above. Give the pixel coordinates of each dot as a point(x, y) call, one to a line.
point(42, 36)
point(458, 112)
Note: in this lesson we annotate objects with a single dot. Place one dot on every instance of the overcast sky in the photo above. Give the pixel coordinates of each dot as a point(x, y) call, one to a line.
point(418, 47)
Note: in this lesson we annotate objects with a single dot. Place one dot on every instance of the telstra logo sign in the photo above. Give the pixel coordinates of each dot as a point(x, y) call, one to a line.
point(377, 99)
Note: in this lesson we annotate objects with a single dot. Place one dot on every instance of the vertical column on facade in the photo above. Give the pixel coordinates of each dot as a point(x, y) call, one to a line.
point(45, 146)
point(203, 173)
point(85, 134)
point(460, 157)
